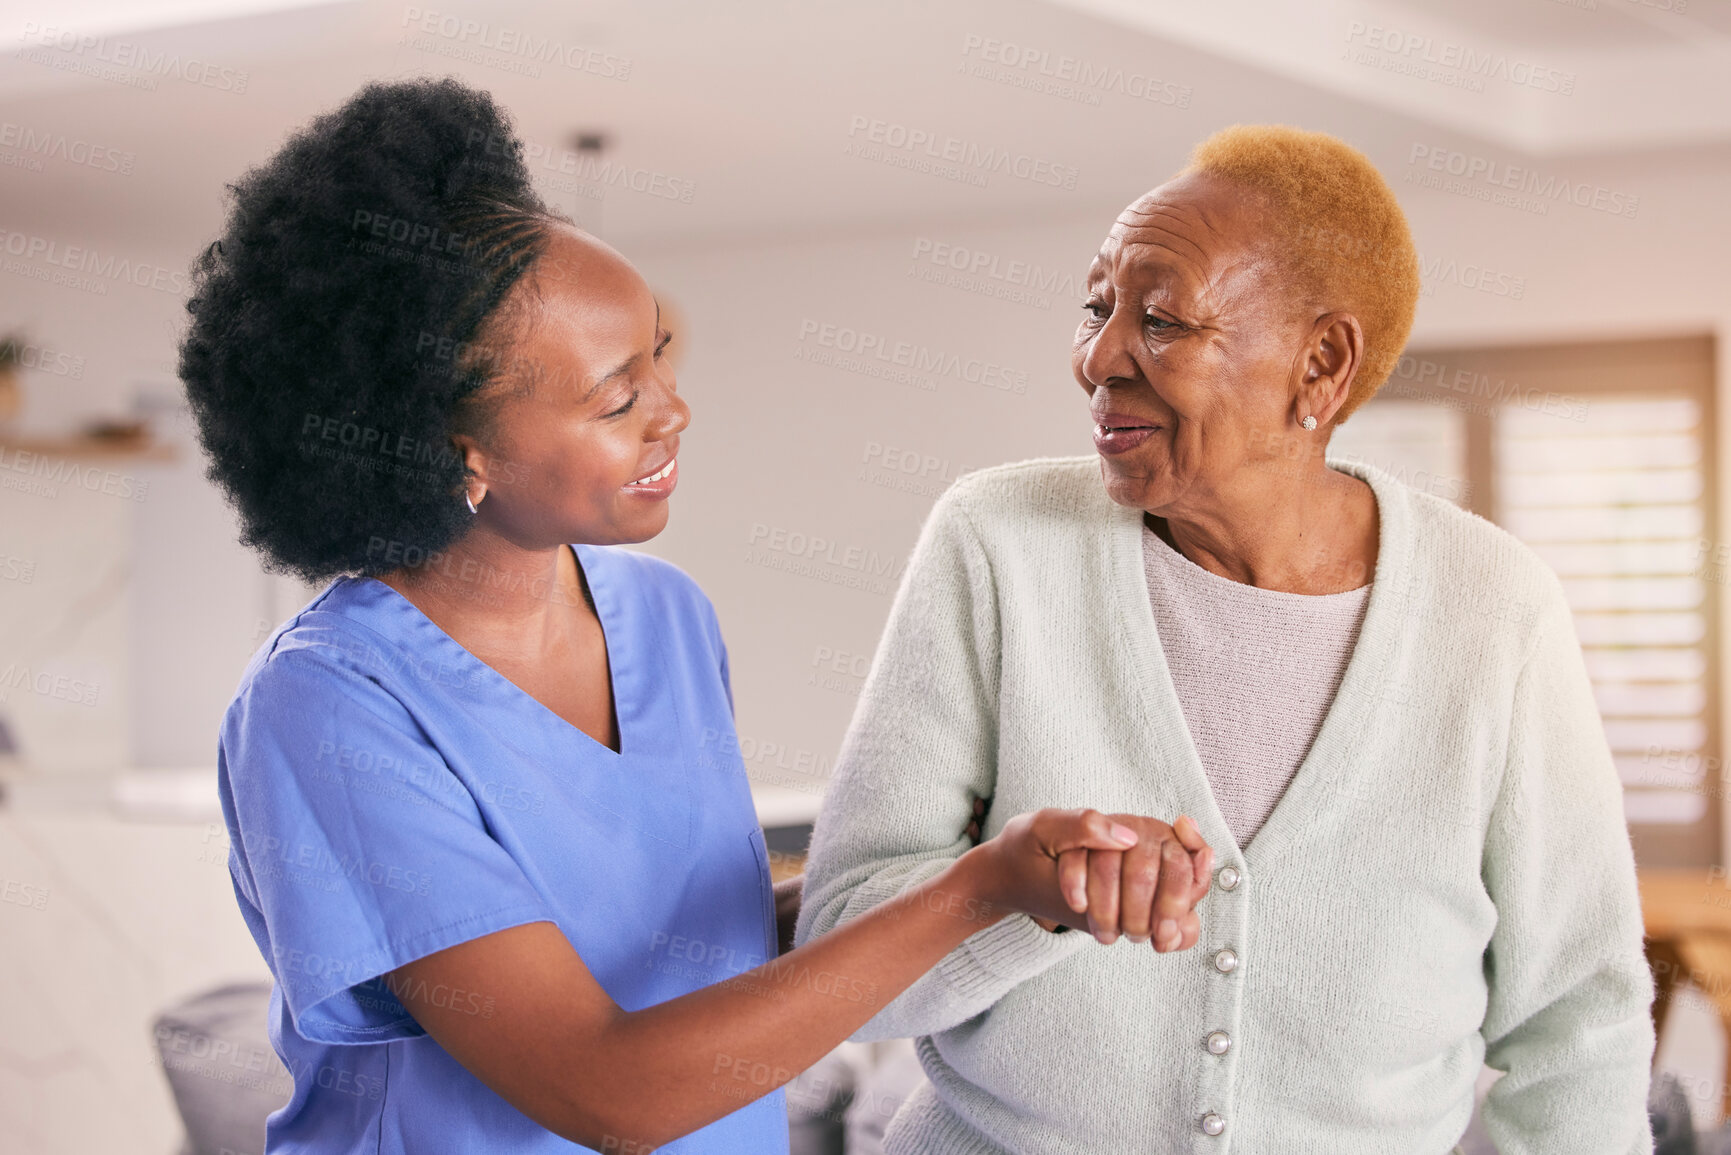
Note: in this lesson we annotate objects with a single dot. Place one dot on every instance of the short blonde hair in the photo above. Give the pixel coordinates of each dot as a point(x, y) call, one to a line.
point(1335, 215)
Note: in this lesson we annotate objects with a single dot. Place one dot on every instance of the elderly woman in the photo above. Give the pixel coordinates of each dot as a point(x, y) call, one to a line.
point(1423, 864)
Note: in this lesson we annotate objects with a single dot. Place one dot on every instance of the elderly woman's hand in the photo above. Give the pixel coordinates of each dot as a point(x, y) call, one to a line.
point(1147, 892)
point(1057, 864)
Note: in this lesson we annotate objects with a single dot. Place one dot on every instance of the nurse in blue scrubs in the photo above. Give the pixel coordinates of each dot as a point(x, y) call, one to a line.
point(490, 827)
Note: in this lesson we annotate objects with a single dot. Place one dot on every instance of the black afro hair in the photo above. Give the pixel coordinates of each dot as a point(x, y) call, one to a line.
point(339, 328)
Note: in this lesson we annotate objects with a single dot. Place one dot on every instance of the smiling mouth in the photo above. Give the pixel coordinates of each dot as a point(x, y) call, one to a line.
point(656, 476)
point(1121, 436)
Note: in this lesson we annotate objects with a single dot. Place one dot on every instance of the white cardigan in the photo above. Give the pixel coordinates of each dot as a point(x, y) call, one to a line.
point(1447, 880)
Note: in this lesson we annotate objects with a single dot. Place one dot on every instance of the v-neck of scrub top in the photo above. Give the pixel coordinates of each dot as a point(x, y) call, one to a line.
point(646, 781)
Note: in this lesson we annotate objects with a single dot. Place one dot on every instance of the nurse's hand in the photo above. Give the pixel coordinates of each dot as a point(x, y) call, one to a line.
point(1146, 893)
point(1052, 865)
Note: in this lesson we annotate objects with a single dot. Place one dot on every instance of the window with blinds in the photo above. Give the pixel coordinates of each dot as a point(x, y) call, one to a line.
point(1422, 444)
point(1614, 504)
point(1611, 482)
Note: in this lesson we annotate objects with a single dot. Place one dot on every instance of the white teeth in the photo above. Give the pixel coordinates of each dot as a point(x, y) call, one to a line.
point(654, 477)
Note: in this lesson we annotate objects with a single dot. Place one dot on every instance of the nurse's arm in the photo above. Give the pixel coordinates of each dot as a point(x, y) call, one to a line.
point(789, 892)
point(561, 1051)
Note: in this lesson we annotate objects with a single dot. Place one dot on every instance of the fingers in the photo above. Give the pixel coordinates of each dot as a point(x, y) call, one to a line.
point(1190, 927)
point(1141, 873)
point(1104, 870)
point(1202, 863)
point(1128, 875)
point(1073, 879)
point(1173, 898)
point(1061, 830)
point(1188, 833)
point(1201, 854)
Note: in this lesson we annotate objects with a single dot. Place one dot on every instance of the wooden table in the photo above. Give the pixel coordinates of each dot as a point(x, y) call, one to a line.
point(1688, 919)
point(783, 865)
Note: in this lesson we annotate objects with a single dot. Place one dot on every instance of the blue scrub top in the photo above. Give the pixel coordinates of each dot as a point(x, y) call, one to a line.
point(389, 795)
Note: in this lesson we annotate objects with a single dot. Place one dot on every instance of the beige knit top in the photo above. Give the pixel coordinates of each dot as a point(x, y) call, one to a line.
point(1255, 671)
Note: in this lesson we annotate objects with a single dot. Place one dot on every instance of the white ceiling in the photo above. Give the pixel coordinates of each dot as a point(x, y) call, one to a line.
point(1617, 74)
point(113, 17)
point(752, 103)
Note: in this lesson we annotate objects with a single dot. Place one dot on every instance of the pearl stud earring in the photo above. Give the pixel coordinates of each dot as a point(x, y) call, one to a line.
point(1308, 422)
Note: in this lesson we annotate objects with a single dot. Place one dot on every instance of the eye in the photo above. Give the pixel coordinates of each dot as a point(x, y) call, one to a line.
point(1159, 324)
point(625, 408)
point(1096, 310)
point(661, 346)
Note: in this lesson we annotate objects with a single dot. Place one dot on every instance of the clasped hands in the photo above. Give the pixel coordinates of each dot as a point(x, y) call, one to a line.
point(1108, 874)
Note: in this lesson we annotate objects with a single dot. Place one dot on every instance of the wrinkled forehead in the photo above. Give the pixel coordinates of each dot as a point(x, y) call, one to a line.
point(1191, 228)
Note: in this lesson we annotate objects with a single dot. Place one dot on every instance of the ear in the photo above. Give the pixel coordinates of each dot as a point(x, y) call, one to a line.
point(1327, 365)
point(477, 460)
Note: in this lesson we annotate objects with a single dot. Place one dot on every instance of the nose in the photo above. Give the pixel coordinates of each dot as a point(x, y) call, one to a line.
point(1108, 359)
point(674, 413)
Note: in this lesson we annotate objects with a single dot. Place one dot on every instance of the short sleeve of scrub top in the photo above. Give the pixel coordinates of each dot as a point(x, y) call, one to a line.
point(388, 795)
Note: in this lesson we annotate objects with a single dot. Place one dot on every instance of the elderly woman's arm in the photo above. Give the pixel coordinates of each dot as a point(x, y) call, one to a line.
point(1570, 992)
point(921, 745)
